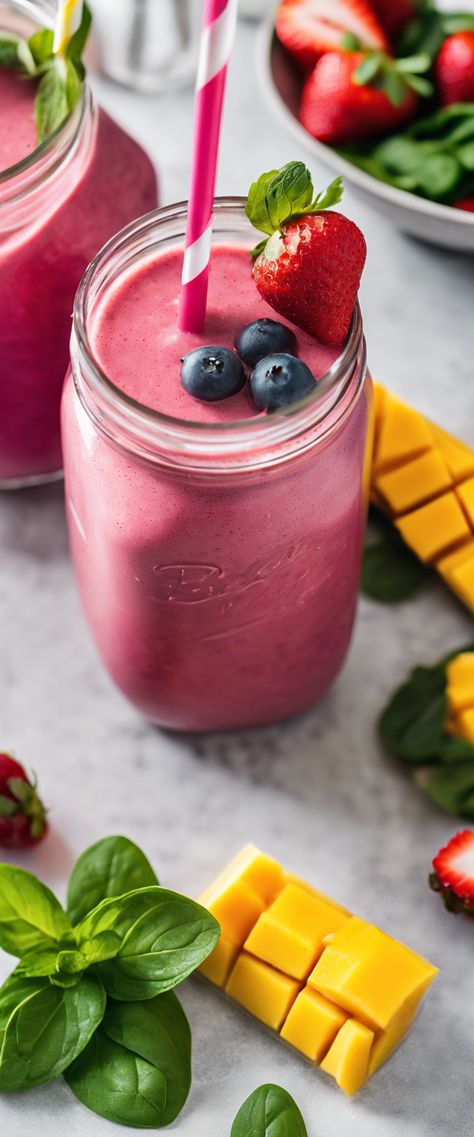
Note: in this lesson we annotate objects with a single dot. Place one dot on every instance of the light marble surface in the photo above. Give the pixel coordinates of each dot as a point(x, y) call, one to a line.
point(317, 793)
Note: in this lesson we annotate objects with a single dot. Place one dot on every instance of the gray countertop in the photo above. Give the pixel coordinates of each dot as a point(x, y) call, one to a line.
point(317, 793)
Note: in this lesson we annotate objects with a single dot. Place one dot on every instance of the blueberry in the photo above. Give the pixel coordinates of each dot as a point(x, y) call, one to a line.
point(279, 380)
point(262, 338)
point(212, 373)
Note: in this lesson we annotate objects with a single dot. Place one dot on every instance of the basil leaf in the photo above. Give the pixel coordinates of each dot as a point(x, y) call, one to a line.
point(269, 1112)
point(14, 991)
point(8, 50)
point(137, 1068)
point(38, 963)
point(109, 868)
point(102, 947)
point(289, 193)
point(256, 204)
point(51, 104)
point(47, 1031)
point(163, 946)
point(30, 916)
point(41, 45)
point(452, 788)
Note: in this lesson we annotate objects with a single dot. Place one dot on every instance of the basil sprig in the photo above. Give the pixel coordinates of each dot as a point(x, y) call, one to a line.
point(269, 1112)
point(59, 76)
point(413, 729)
point(91, 995)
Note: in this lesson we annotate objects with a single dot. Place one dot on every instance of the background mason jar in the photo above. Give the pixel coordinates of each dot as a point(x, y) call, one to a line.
point(150, 45)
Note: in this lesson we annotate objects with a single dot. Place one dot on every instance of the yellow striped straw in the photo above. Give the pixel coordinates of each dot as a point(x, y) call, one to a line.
point(68, 20)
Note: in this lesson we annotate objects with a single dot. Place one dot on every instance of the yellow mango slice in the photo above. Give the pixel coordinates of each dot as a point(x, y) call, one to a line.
point(431, 530)
point(348, 1059)
point(242, 891)
point(290, 934)
point(403, 434)
point(353, 971)
point(266, 993)
point(466, 725)
point(414, 483)
point(388, 1040)
point(461, 580)
point(312, 1024)
point(460, 682)
point(290, 878)
point(219, 963)
point(465, 493)
point(458, 457)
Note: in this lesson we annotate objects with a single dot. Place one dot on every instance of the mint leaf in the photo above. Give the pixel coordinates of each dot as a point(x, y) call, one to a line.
point(51, 103)
point(41, 46)
point(269, 1112)
point(281, 195)
point(9, 50)
point(256, 205)
point(78, 41)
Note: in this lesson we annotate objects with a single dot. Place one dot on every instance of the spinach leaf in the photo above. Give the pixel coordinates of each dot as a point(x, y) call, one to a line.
point(269, 1112)
point(47, 1031)
point(452, 788)
point(30, 916)
point(163, 946)
point(413, 724)
point(390, 571)
point(13, 992)
point(111, 867)
point(137, 1068)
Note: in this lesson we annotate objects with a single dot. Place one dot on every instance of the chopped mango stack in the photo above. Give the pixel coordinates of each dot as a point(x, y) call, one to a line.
point(460, 693)
point(424, 480)
point(335, 988)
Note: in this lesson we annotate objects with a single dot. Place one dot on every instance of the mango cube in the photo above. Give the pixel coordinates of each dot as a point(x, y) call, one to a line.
point(266, 993)
point(402, 434)
point(290, 934)
point(458, 457)
point(431, 530)
point(466, 725)
point(460, 682)
point(465, 494)
point(312, 1024)
point(348, 1059)
point(219, 963)
point(242, 891)
point(418, 481)
point(461, 579)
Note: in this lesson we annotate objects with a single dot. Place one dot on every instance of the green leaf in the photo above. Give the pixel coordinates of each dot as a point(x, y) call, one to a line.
point(41, 45)
point(105, 946)
point(168, 937)
point(137, 1069)
point(368, 69)
point(9, 50)
point(465, 155)
point(414, 64)
point(413, 724)
point(47, 1031)
point(30, 916)
point(444, 120)
point(269, 1112)
point(395, 87)
point(7, 806)
point(423, 87)
point(439, 175)
point(458, 22)
point(328, 197)
point(452, 788)
point(109, 868)
point(73, 84)
point(390, 571)
point(38, 963)
point(25, 58)
point(280, 195)
point(78, 41)
point(51, 103)
point(256, 204)
point(14, 991)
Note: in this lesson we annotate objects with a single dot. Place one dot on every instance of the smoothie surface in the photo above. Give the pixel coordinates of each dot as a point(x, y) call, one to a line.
point(18, 135)
point(137, 342)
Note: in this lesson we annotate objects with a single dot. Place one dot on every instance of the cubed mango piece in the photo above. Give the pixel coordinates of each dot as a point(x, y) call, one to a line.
point(465, 493)
point(265, 992)
point(388, 1040)
point(431, 530)
point(290, 934)
point(416, 482)
point(461, 580)
point(466, 725)
point(369, 974)
point(219, 963)
point(312, 1024)
point(348, 1059)
point(240, 893)
point(460, 682)
point(458, 457)
point(402, 434)
point(290, 878)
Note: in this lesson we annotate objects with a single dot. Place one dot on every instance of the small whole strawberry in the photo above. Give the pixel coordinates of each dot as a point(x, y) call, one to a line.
point(309, 268)
point(454, 69)
point(353, 96)
point(453, 873)
point(309, 28)
point(22, 814)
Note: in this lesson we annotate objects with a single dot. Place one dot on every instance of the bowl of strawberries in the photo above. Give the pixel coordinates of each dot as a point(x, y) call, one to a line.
point(382, 91)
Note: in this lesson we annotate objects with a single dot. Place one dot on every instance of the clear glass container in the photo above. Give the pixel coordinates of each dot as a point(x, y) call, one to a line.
point(218, 564)
point(57, 207)
point(149, 45)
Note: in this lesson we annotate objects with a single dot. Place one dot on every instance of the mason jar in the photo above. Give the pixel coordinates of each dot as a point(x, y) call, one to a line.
point(218, 564)
point(57, 207)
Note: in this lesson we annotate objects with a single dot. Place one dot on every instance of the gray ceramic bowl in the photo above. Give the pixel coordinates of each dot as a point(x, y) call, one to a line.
point(439, 224)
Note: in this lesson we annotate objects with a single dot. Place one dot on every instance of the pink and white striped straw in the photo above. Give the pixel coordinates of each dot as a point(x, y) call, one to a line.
point(217, 40)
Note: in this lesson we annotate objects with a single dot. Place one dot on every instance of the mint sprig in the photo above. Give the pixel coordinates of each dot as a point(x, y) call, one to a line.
point(91, 996)
point(279, 196)
point(60, 76)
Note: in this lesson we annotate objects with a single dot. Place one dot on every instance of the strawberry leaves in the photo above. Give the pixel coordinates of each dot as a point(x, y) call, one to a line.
point(279, 196)
point(394, 76)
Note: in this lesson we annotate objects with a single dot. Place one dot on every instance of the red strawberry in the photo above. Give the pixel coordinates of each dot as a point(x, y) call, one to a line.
point(309, 28)
point(394, 15)
point(466, 203)
point(453, 873)
point(22, 813)
point(335, 108)
point(454, 69)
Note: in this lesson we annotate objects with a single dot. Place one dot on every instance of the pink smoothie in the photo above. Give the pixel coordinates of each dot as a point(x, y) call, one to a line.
point(216, 602)
point(41, 263)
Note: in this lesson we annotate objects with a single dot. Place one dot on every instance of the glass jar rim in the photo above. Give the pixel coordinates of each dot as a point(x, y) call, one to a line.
point(199, 438)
